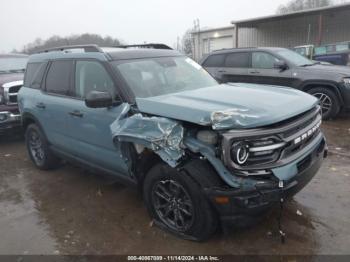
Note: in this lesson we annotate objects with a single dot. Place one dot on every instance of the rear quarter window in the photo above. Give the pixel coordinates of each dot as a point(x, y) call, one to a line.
point(34, 75)
point(214, 61)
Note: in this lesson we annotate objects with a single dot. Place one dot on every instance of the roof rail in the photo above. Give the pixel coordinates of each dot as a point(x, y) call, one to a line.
point(87, 48)
point(152, 46)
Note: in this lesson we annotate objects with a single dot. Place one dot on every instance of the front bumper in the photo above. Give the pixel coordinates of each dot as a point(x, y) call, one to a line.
point(9, 120)
point(245, 205)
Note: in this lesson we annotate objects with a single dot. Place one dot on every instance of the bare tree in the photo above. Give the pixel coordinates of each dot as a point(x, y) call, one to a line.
point(55, 41)
point(299, 5)
point(187, 43)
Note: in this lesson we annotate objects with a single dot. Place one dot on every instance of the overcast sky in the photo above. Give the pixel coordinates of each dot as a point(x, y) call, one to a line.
point(22, 21)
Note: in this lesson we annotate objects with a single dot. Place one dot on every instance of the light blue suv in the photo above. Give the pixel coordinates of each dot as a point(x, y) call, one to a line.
point(203, 155)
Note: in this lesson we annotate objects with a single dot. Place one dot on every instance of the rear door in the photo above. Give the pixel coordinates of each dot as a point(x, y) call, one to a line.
point(262, 70)
point(235, 67)
point(50, 103)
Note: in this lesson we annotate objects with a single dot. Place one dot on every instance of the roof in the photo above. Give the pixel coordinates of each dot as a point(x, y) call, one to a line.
point(13, 55)
point(213, 29)
point(252, 21)
point(102, 54)
point(223, 51)
point(122, 53)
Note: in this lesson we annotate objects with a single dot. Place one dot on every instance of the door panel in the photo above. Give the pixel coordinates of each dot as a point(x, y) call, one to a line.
point(90, 135)
point(89, 128)
point(263, 71)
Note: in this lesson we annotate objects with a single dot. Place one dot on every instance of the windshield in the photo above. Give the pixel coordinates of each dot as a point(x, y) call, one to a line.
point(165, 75)
point(13, 64)
point(294, 58)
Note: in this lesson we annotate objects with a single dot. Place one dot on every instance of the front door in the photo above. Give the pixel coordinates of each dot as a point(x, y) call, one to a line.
point(89, 128)
point(262, 71)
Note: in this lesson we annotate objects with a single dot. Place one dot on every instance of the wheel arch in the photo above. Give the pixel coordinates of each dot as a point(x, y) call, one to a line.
point(307, 86)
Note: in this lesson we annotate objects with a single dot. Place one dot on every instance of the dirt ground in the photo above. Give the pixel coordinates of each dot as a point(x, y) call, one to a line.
point(71, 211)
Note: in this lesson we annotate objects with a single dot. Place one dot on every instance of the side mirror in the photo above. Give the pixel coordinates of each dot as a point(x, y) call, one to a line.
point(280, 65)
point(96, 99)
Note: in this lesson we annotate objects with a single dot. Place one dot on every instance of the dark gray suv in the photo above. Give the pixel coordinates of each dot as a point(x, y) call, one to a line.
point(283, 67)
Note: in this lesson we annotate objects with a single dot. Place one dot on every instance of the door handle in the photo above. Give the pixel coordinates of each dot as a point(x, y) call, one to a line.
point(222, 71)
point(254, 72)
point(40, 105)
point(76, 113)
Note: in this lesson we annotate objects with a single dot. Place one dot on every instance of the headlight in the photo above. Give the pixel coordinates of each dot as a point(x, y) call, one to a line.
point(346, 82)
point(240, 152)
point(256, 152)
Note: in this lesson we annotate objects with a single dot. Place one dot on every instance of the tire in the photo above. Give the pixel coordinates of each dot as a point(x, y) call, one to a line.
point(329, 101)
point(182, 195)
point(38, 149)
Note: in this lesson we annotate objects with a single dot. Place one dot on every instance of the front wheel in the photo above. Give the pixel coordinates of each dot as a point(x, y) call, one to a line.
point(38, 148)
point(329, 101)
point(176, 203)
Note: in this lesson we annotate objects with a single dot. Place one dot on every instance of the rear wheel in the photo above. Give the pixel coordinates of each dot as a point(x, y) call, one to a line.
point(329, 101)
point(38, 148)
point(176, 203)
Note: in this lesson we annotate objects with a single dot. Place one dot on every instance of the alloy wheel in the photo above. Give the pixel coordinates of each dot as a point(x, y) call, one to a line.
point(325, 102)
point(36, 147)
point(173, 205)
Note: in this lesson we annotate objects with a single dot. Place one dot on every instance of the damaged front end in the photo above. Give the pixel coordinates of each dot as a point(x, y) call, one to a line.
point(256, 166)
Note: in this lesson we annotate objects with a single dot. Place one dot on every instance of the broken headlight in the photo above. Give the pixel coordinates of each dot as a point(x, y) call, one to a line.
point(208, 137)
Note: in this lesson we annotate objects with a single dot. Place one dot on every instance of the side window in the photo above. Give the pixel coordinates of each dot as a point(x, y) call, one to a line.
point(263, 60)
point(238, 60)
point(34, 75)
point(214, 61)
point(58, 77)
point(92, 76)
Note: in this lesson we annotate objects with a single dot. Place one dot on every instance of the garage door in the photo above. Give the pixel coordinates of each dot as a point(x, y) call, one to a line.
point(221, 42)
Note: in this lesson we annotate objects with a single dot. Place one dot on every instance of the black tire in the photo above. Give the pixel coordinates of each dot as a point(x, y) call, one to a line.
point(329, 101)
point(38, 149)
point(203, 221)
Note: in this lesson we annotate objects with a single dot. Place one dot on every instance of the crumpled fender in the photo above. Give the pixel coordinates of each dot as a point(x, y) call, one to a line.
point(162, 135)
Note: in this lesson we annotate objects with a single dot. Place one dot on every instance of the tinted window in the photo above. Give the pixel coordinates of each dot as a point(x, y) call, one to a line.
point(58, 77)
point(92, 76)
point(237, 60)
point(214, 61)
point(263, 60)
point(34, 75)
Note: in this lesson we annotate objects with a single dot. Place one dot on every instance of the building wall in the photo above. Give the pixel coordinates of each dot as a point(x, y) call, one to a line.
point(287, 32)
point(303, 30)
point(212, 40)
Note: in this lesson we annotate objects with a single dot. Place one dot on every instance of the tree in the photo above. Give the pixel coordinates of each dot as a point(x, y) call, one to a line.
point(55, 41)
point(187, 43)
point(299, 5)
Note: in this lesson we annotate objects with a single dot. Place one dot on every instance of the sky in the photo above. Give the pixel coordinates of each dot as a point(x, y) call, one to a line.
point(133, 21)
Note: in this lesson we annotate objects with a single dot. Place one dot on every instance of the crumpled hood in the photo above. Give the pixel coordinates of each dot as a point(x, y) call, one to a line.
point(230, 105)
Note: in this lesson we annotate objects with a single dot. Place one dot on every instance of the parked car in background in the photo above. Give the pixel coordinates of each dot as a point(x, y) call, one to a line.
point(283, 67)
point(12, 67)
point(202, 154)
point(336, 54)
